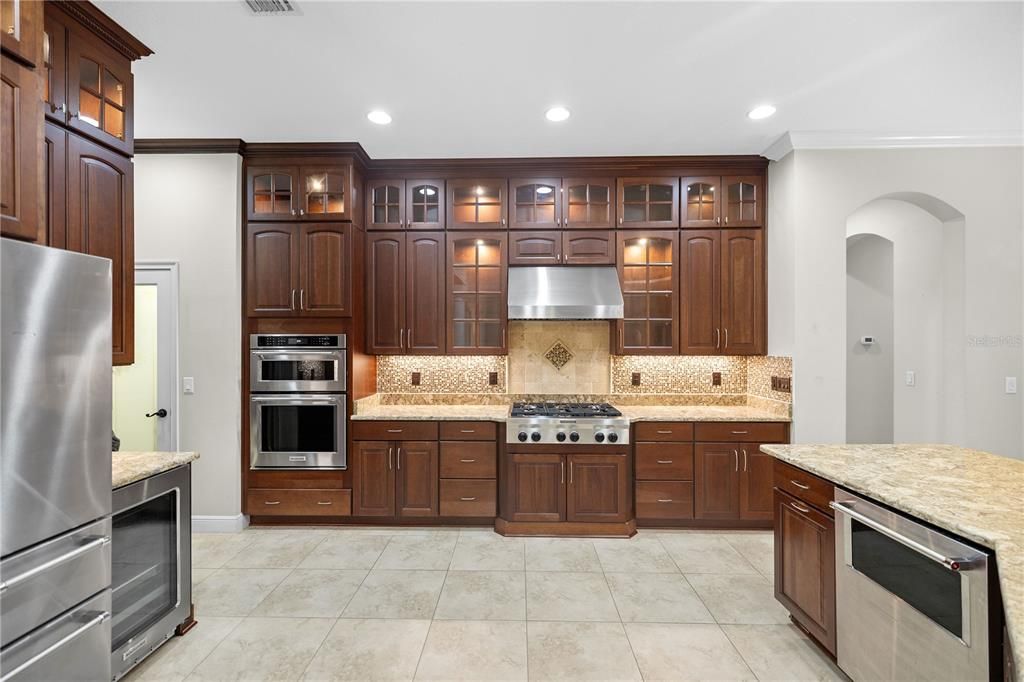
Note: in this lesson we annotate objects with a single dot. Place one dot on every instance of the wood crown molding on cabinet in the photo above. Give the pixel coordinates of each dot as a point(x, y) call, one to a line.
point(96, 21)
point(186, 145)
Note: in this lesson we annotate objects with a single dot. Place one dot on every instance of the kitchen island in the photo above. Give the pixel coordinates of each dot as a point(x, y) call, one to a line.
point(129, 467)
point(973, 494)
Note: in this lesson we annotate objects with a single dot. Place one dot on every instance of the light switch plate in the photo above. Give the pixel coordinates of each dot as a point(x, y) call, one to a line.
point(1011, 384)
point(910, 378)
point(188, 385)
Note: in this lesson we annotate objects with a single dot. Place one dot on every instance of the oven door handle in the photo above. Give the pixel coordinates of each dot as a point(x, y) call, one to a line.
point(298, 399)
point(56, 561)
point(950, 563)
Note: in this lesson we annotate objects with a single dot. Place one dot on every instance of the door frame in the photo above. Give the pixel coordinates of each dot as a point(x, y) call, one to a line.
point(161, 272)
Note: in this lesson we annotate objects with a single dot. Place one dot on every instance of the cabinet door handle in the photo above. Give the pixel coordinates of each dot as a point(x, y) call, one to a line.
point(409, 337)
point(718, 220)
point(293, 211)
point(302, 299)
point(570, 472)
point(503, 336)
point(563, 471)
point(664, 500)
point(736, 456)
point(718, 337)
point(293, 299)
point(302, 211)
point(271, 504)
point(394, 430)
point(325, 503)
point(467, 431)
point(467, 461)
point(799, 508)
point(740, 433)
point(620, 221)
point(390, 450)
point(726, 338)
point(664, 461)
point(401, 338)
point(503, 222)
point(800, 485)
point(726, 220)
point(399, 458)
point(468, 499)
point(744, 459)
point(665, 431)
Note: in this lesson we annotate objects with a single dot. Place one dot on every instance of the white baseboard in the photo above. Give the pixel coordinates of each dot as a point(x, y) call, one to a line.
point(219, 524)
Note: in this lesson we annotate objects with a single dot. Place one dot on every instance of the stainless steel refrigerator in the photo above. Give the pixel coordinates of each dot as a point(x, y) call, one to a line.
point(55, 497)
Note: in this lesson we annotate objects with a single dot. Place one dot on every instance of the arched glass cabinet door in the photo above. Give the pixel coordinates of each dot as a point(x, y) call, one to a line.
point(743, 201)
point(588, 203)
point(99, 85)
point(385, 205)
point(701, 197)
point(424, 204)
point(536, 203)
point(477, 293)
point(325, 192)
point(273, 192)
point(648, 275)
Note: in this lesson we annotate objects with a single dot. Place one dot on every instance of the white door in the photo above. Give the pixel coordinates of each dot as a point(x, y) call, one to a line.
point(145, 393)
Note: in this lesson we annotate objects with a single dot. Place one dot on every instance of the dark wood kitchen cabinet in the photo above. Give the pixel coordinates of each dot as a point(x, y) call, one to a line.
point(535, 248)
point(536, 203)
point(416, 478)
point(405, 293)
point(272, 192)
point(298, 192)
point(588, 203)
point(374, 480)
point(598, 488)
point(477, 293)
point(325, 192)
point(755, 483)
point(21, 170)
point(385, 205)
point(325, 279)
point(395, 469)
point(20, 21)
point(100, 91)
point(722, 292)
point(55, 68)
point(648, 202)
point(588, 247)
point(716, 475)
point(272, 264)
point(554, 247)
point(477, 204)
point(732, 477)
point(650, 287)
point(55, 155)
point(700, 200)
point(727, 201)
point(536, 488)
point(409, 204)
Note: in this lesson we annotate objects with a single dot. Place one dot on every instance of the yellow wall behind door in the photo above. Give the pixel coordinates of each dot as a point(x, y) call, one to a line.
point(135, 385)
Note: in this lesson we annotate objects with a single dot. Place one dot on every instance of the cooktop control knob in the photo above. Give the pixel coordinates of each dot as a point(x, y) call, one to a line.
point(574, 436)
point(599, 437)
point(522, 436)
point(560, 436)
point(535, 436)
point(613, 437)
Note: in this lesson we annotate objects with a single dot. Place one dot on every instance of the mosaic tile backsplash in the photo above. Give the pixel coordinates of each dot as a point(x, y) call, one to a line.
point(440, 373)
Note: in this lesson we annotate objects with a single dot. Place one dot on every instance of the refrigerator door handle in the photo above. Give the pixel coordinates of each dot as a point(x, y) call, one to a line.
point(99, 618)
point(56, 561)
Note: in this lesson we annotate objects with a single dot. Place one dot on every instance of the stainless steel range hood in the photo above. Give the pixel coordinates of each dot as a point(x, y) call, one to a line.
point(564, 293)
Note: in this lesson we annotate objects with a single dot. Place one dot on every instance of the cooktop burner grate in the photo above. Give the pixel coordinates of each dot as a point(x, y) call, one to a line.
point(564, 410)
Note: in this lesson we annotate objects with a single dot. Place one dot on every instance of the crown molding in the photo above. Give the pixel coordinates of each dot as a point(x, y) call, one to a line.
point(163, 145)
point(795, 139)
point(94, 19)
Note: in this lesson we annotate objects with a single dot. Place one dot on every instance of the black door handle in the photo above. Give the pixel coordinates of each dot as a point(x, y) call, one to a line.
point(159, 413)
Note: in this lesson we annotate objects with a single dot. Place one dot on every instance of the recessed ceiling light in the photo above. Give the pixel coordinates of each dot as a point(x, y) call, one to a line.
point(761, 111)
point(381, 118)
point(557, 114)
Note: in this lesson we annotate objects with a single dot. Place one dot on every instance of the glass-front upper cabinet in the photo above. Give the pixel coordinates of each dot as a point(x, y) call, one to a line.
point(55, 37)
point(587, 202)
point(701, 202)
point(477, 293)
point(20, 20)
point(477, 204)
point(324, 192)
point(743, 201)
point(385, 206)
point(99, 92)
point(424, 204)
point(536, 203)
point(647, 272)
point(273, 192)
point(648, 202)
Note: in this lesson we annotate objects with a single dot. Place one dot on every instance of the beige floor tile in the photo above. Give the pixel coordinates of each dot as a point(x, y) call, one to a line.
point(638, 554)
point(705, 553)
point(235, 591)
point(312, 593)
point(212, 550)
point(276, 549)
point(474, 650)
point(347, 550)
point(781, 652)
point(180, 655)
point(656, 598)
point(561, 554)
point(396, 594)
point(685, 652)
point(483, 595)
point(744, 599)
point(569, 597)
point(757, 548)
point(265, 649)
point(488, 552)
point(580, 651)
point(201, 574)
point(369, 650)
point(432, 552)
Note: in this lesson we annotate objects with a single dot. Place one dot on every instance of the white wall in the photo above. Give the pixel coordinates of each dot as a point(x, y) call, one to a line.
point(984, 184)
point(187, 209)
point(869, 312)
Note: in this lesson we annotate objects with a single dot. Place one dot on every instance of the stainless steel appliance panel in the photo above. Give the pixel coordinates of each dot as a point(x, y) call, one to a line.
point(564, 293)
point(911, 602)
point(297, 363)
point(44, 581)
point(55, 392)
point(298, 431)
point(71, 648)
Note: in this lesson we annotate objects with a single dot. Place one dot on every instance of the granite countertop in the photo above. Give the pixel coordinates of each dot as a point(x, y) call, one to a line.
point(494, 413)
point(698, 413)
point(129, 467)
point(971, 493)
point(708, 413)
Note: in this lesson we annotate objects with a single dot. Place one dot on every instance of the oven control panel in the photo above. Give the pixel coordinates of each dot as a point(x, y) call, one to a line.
point(297, 341)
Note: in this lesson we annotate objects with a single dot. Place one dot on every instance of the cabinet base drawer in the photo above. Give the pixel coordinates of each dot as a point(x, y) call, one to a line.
point(469, 431)
point(664, 500)
point(462, 497)
point(751, 432)
point(469, 459)
point(663, 431)
point(394, 430)
point(664, 461)
point(804, 486)
point(309, 502)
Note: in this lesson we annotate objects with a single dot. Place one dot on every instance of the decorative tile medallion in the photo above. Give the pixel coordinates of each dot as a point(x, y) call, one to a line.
point(558, 355)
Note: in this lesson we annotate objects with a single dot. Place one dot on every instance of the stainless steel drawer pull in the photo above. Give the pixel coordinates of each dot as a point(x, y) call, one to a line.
point(664, 500)
point(664, 430)
point(800, 485)
point(468, 499)
point(56, 561)
point(272, 503)
point(799, 508)
point(740, 433)
point(467, 461)
point(101, 617)
point(468, 431)
point(394, 430)
point(664, 461)
point(325, 504)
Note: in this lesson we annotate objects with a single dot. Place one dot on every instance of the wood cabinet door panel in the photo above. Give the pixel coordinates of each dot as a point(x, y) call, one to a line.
point(55, 67)
point(756, 477)
point(648, 202)
point(534, 248)
point(803, 485)
point(424, 204)
point(20, 29)
point(385, 292)
point(56, 207)
point(535, 203)
point(805, 566)
point(598, 488)
point(385, 205)
point(374, 478)
point(21, 145)
point(325, 192)
point(664, 461)
point(477, 293)
point(99, 223)
point(416, 469)
point(477, 204)
point(648, 273)
point(664, 500)
point(272, 192)
point(293, 502)
point(700, 293)
point(272, 265)
point(99, 91)
point(468, 459)
point(716, 481)
point(701, 200)
point(588, 203)
point(743, 201)
point(585, 247)
point(325, 275)
point(536, 488)
point(424, 295)
point(743, 301)
point(474, 498)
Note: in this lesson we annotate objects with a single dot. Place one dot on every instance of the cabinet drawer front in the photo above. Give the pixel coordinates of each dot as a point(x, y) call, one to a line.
point(469, 431)
point(410, 430)
point(755, 432)
point(468, 460)
point(669, 462)
point(804, 486)
point(281, 502)
point(468, 497)
point(663, 431)
point(664, 500)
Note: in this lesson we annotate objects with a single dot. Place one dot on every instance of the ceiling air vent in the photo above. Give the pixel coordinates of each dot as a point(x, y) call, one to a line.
point(270, 8)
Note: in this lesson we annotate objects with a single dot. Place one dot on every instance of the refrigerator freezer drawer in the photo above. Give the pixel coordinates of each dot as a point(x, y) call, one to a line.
point(45, 581)
point(74, 647)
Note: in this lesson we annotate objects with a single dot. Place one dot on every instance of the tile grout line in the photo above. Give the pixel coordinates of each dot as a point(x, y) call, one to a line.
point(611, 593)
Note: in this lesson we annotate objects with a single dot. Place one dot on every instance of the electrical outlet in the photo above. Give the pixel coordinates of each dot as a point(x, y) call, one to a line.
point(716, 378)
point(910, 378)
point(782, 384)
point(1011, 384)
point(492, 378)
point(188, 385)
point(415, 378)
point(636, 378)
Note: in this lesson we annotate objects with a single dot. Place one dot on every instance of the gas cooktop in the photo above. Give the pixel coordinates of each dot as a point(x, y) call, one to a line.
point(562, 410)
point(568, 423)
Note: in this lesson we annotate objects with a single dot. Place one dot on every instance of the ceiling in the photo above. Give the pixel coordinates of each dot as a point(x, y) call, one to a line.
point(466, 79)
